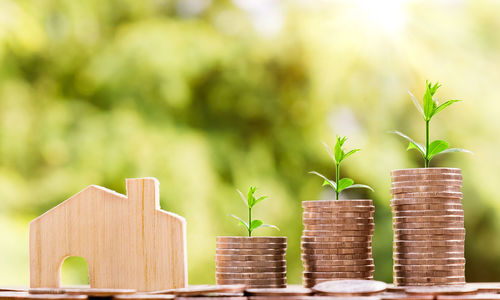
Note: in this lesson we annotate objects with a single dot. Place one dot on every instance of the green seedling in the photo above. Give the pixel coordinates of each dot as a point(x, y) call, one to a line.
point(250, 201)
point(431, 107)
point(338, 155)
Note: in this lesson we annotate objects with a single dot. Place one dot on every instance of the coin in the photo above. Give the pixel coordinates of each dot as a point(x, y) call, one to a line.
point(17, 295)
point(431, 261)
point(486, 287)
point(350, 287)
point(334, 245)
point(396, 202)
point(402, 296)
point(272, 292)
point(418, 268)
point(442, 290)
point(429, 206)
point(428, 225)
point(144, 297)
point(425, 189)
point(430, 273)
point(334, 215)
point(434, 280)
point(265, 281)
point(337, 274)
point(442, 243)
point(251, 245)
point(344, 233)
point(320, 268)
point(457, 195)
point(251, 240)
point(336, 203)
point(340, 227)
point(99, 292)
point(263, 275)
point(417, 237)
point(340, 209)
point(335, 251)
point(435, 182)
point(264, 263)
point(431, 231)
point(333, 239)
point(280, 251)
point(249, 269)
point(414, 171)
point(430, 254)
point(53, 291)
point(340, 262)
point(429, 219)
point(330, 257)
point(220, 257)
point(337, 221)
point(429, 177)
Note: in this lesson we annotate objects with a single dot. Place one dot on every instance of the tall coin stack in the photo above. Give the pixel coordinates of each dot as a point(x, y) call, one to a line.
point(258, 262)
point(337, 240)
point(428, 223)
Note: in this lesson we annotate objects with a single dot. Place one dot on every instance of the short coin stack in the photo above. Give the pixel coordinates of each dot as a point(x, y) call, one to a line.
point(428, 223)
point(336, 241)
point(257, 262)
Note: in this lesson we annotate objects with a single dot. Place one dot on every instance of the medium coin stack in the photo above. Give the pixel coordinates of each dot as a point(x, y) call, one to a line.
point(257, 262)
point(428, 223)
point(336, 241)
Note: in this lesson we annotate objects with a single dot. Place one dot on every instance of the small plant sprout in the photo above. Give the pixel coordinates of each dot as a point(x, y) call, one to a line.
point(430, 108)
point(250, 201)
point(338, 155)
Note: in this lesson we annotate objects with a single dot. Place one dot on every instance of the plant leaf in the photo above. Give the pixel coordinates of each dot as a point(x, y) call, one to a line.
point(344, 183)
point(260, 199)
point(329, 151)
point(270, 226)
point(350, 153)
point(339, 153)
point(255, 224)
point(415, 145)
point(357, 185)
point(417, 105)
point(444, 105)
point(327, 181)
point(243, 197)
point(241, 222)
point(429, 104)
point(250, 197)
point(437, 147)
point(452, 150)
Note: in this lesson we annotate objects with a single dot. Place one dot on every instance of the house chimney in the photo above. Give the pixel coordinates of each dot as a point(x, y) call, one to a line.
point(144, 192)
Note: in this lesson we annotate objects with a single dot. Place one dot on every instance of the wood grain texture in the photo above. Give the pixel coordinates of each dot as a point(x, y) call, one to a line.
point(127, 241)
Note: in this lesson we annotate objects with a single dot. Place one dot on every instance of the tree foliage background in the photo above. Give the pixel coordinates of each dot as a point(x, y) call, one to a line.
point(210, 96)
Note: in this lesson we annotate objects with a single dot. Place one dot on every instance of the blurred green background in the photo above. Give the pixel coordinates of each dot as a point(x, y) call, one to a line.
point(210, 96)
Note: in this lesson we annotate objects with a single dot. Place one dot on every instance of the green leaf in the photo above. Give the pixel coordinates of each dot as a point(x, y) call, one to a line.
point(270, 226)
point(260, 199)
point(243, 197)
point(434, 88)
point(250, 197)
point(452, 150)
point(241, 222)
point(255, 224)
point(339, 153)
point(344, 183)
point(413, 144)
point(429, 104)
point(327, 181)
point(444, 105)
point(357, 185)
point(417, 105)
point(329, 151)
point(437, 147)
point(350, 153)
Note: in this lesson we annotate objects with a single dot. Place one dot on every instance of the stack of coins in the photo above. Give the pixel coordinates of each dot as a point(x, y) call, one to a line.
point(257, 262)
point(336, 241)
point(428, 223)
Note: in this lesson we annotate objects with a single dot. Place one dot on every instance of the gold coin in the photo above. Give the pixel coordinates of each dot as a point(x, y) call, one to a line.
point(426, 237)
point(251, 240)
point(438, 231)
point(443, 182)
point(249, 269)
point(457, 195)
point(336, 245)
point(430, 261)
point(340, 209)
point(429, 219)
point(337, 221)
point(423, 207)
point(418, 171)
point(425, 213)
point(251, 245)
point(419, 268)
point(337, 274)
point(427, 255)
point(263, 263)
point(281, 251)
point(428, 243)
point(340, 227)
point(430, 273)
point(220, 257)
point(422, 225)
point(239, 275)
point(429, 177)
point(419, 201)
point(336, 215)
point(336, 203)
point(424, 189)
point(330, 239)
point(433, 280)
point(343, 233)
point(336, 251)
point(338, 262)
point(327, 257)
point(362, 268)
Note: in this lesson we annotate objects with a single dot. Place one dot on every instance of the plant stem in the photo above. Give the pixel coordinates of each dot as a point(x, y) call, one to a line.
point(427, 143)
point(249, 221)
point(337, 174)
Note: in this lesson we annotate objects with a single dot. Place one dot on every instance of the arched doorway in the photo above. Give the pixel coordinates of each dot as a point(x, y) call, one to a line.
point(74, 271)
